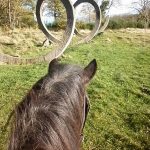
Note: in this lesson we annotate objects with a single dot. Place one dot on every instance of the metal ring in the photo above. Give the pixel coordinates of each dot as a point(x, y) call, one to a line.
point(62, 45)
point(107, 18)
point(68, 32)
point(41, 24)
point(97, 23)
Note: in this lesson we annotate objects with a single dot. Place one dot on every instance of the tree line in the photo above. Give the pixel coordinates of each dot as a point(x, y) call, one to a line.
point(21, 13)
point(12, 12)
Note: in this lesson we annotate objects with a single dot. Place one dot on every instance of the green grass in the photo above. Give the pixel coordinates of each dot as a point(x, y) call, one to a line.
point(119, 94)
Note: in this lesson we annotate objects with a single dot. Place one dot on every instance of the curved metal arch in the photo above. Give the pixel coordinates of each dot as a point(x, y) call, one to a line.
point(41, 24)
point(68, 32)
point(95, 30)
point(105, 24)
point(62, 45)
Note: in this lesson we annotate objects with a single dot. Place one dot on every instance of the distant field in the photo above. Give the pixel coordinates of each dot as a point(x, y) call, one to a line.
point(119, 117)
point(24, 43)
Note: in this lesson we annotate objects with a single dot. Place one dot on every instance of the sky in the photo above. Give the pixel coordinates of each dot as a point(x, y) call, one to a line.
point(125, 7)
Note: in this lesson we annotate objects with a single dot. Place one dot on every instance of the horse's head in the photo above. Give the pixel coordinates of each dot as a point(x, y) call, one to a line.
point(53, 113)
point(58, 71)
point(62, 71)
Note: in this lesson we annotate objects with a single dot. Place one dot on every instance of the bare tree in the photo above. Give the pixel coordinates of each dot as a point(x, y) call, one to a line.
point(106, 5)
point(143, 9)
point(87, 13)
point(9, 12)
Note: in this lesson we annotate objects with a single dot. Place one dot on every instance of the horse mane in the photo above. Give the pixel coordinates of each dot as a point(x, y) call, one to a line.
point(50, 115)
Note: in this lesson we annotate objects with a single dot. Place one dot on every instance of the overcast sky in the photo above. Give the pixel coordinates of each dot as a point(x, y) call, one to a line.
point(125, 7)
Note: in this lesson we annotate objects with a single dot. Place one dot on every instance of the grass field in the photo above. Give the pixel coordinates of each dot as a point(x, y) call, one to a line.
point(119, 117)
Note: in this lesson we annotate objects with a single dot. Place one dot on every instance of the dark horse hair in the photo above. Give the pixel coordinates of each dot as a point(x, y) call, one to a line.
point(52, 115)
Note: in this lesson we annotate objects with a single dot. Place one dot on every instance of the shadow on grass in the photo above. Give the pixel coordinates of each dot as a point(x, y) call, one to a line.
point(138, 123)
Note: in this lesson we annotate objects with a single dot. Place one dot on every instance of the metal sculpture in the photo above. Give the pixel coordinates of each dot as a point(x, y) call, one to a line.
point(102, 29)
point(97, 23)
point(70, 29)
point(62, 44)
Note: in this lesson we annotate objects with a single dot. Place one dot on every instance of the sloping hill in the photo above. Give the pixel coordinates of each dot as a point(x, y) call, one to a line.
point(119, 117)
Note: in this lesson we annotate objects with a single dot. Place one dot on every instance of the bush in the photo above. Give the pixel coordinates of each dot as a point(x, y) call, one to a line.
point(113, 24)
point(89, 26)
point(28, 21)
point(83, 25)
point(140, 24)
point(127, 21)
point(80, 25)
point(57, 25)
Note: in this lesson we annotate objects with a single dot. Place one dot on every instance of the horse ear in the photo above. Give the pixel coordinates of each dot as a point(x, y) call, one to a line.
point(52, 64)
point(89, 71)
